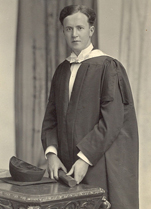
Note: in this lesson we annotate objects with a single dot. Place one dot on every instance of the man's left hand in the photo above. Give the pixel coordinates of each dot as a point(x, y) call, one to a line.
point(79, 169)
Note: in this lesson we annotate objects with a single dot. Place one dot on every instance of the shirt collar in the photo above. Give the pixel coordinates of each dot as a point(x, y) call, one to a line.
point(84, 54)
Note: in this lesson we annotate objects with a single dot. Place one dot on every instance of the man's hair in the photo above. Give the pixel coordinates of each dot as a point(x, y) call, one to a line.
point(69, 10)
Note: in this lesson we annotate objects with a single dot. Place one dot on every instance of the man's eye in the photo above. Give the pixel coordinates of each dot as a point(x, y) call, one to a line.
point(80, 28)
point(68, 29)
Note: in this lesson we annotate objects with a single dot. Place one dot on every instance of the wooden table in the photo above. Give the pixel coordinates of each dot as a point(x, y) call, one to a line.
point(51, 196)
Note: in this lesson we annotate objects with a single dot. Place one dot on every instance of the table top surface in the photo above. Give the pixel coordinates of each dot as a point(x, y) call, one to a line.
point(46, 192)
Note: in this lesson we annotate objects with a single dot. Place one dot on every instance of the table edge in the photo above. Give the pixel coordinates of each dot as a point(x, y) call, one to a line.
point(46, 198)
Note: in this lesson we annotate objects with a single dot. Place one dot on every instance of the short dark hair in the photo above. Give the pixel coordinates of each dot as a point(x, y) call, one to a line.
point(69, 10)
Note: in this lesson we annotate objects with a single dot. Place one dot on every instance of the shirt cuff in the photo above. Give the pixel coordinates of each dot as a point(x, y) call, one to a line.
point(84, 158)
point(51, 149)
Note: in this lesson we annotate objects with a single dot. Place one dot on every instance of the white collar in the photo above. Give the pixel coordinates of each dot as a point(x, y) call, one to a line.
point(85, 54)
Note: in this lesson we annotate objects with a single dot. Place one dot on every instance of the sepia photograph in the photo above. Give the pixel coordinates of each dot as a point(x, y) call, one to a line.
point(75, 111)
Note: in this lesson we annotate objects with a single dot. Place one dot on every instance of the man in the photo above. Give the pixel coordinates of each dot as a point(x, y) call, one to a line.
point(90, 129)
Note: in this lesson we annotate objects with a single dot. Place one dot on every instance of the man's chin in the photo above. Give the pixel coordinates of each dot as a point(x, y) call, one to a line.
point(77, 49)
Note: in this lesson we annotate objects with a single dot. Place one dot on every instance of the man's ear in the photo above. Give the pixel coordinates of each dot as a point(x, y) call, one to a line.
point(92, 29)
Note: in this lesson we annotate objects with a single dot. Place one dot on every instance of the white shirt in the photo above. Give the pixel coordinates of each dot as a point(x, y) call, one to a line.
point(77, 60)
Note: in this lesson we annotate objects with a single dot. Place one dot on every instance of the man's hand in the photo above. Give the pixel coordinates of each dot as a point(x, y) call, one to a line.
point(79, 169)
point(53, 165)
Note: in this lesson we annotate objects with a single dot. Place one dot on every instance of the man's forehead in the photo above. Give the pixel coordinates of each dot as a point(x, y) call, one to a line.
point(76, 19)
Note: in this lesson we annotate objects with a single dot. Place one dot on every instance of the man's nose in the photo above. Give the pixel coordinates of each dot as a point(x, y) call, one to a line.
point(74, 32)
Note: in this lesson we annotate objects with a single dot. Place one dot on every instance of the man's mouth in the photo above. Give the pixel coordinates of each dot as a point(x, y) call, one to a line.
point(75, 41)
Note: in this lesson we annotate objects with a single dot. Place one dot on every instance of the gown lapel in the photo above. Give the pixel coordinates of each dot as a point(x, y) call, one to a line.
point(73, 104)
point(63, 96)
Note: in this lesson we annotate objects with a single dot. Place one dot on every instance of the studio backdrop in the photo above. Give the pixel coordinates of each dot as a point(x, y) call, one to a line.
point(40, 48)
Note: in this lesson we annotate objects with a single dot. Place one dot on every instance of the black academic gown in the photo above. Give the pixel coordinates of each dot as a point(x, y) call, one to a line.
point(100, 121)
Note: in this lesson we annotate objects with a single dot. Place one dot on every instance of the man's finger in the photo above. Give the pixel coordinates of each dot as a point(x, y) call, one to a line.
point(51, 175)
point(77, 177)
point(71, 171)
point(63, 168)
point(56, 174)
point(48, 171)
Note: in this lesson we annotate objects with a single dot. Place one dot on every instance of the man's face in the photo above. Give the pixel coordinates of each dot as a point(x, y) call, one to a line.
point(77, 32)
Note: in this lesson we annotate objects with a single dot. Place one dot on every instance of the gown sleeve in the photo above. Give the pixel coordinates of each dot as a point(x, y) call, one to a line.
point(115, 94)
point(49, 125)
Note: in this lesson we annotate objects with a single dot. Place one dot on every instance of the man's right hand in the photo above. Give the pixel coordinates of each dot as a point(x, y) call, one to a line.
point(53, 165)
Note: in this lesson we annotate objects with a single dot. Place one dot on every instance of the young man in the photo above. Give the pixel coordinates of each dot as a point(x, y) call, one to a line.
point(90, 129)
